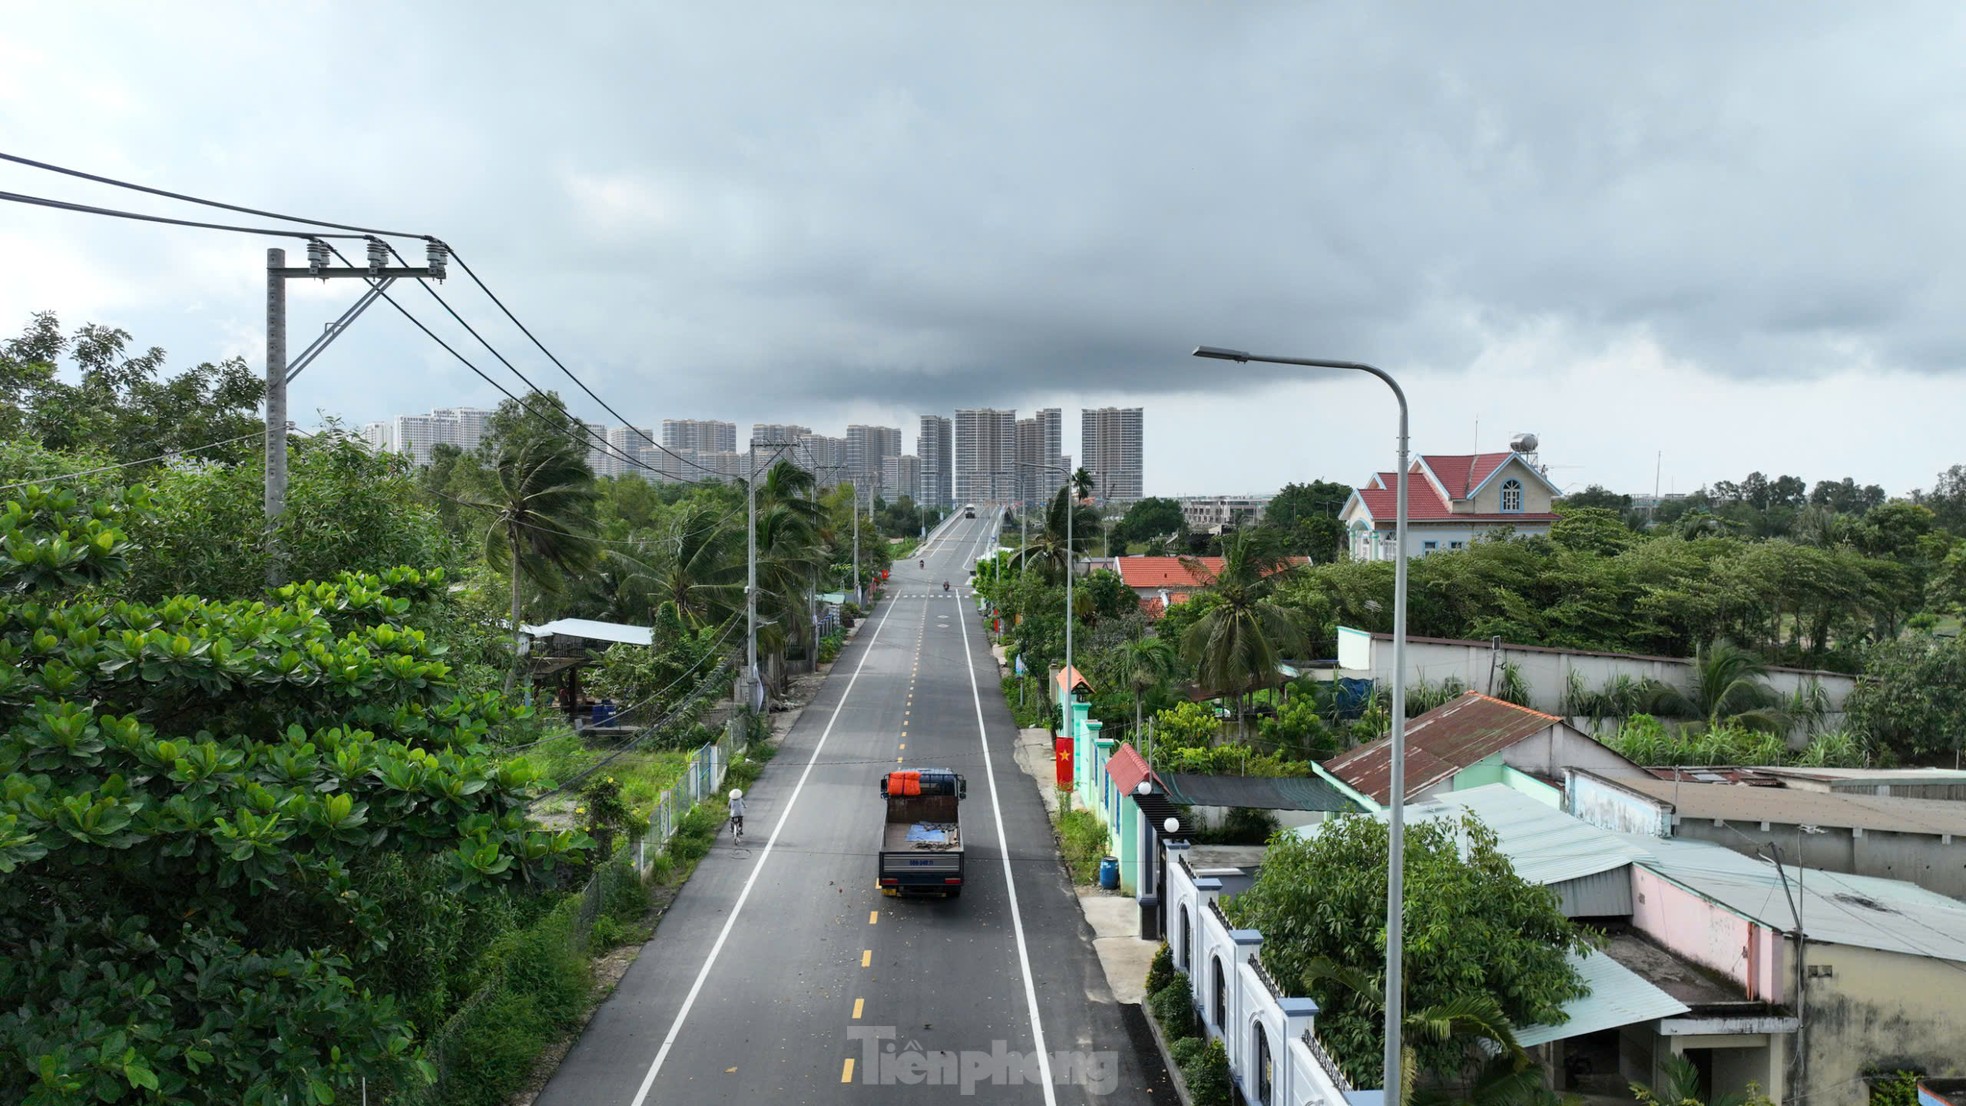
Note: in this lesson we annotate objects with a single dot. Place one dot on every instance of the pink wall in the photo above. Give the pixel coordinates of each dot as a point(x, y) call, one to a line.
point(1708, 934)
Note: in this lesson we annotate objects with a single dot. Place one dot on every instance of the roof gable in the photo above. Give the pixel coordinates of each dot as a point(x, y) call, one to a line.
point(1126, 768)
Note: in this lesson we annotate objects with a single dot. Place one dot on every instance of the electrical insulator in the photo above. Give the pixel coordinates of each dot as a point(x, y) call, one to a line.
point(378, 256)
point(438, 255)
point(317, 255)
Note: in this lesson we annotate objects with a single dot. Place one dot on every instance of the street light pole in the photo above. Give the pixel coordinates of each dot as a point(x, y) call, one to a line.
point(1392, 1077)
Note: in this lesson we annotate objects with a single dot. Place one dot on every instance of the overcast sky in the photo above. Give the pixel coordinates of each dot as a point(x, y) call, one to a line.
point(1729, 234)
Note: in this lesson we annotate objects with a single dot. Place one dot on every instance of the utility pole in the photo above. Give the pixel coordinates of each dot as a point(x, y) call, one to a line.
point(751, 677)
point(279, 373)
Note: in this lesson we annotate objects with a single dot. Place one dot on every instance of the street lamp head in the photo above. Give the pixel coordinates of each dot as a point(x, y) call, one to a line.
point(1172, 825)
point(1219, 354)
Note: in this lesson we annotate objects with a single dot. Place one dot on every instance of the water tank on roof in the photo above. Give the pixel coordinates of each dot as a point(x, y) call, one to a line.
point(1523, 443)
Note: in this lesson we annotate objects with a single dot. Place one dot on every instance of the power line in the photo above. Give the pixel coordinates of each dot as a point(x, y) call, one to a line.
point(89, 209)
point(28, 161)
point(130, 464)
point(441, 302)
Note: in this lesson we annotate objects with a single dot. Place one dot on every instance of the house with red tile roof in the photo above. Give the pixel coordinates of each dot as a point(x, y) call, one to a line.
point(1451, 500)
point(1161, 582)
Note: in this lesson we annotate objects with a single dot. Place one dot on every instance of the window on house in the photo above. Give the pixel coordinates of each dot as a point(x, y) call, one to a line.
point(1221, 1004)
point(1429, 546)
point(1512, 494)
point(1187, 943)
point(1455, 544)
point(1265, 1076)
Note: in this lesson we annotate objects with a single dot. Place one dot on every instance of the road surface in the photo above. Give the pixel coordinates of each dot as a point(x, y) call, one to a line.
point(782, 975)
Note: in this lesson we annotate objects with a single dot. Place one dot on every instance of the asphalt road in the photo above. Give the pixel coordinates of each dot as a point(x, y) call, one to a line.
point(781, 974)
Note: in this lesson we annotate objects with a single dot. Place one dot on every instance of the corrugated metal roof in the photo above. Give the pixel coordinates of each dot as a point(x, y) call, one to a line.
point(1440, 743)
point(1617, 997)
point(1126, 768)
point(1256, 792)
point(1735, 803)
point(596, 631)
point(1544, 844)
point(1860, 911)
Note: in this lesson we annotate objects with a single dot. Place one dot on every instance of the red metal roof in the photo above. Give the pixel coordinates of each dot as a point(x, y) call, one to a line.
point(1461, 473)
point(1422, 501)
point(1440, 743)
point(1126, 768)
point(1176, 574)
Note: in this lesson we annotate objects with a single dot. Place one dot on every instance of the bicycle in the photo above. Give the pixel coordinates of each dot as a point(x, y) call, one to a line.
point(736, 816)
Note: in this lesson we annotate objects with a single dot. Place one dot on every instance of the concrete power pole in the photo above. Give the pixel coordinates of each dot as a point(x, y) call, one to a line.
point(279, 373)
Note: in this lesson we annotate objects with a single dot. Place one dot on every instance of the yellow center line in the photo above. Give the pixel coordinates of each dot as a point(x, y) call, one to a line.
point(873, 917)
point(846, 1072)
point(866, 958)
point(904, 745)
point(857, 1004)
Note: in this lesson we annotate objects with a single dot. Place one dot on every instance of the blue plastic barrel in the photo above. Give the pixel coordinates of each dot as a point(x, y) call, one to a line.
point(1109, 873)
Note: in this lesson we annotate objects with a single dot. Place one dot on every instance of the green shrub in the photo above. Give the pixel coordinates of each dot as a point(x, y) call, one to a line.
point(1174, 1008)
point(1241, 826)
point(1185, 1050)
point(545, 962)
point(1161, 971)
point(493, 1051)
point(1207, 1076)
point(1082, 838)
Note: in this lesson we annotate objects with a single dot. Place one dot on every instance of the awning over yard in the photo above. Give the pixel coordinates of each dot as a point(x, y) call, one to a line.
point(1619, 996)
point(593, 631)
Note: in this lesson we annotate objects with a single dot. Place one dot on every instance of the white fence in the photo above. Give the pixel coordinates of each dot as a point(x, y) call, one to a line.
point(1274, 1054)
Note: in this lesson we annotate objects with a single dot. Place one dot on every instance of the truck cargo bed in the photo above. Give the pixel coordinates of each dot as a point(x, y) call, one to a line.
point(934, 837)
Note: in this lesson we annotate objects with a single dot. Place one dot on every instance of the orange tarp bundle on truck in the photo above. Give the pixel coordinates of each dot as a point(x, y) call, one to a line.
point(904, 783)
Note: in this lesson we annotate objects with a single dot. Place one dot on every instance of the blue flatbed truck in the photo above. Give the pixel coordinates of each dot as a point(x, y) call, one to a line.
point(921, 837)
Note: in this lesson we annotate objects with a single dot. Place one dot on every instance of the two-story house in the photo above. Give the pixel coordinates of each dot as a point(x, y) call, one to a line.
point(1451, 498)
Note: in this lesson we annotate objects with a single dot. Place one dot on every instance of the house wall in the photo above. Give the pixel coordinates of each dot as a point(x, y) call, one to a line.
point(1546, 673)
point(1301, 1076)
point(1936, 862)
point(1558, 747)
point(1535, 493)
point(1880, 1008)
point(1697, 929)
point(1608, 806)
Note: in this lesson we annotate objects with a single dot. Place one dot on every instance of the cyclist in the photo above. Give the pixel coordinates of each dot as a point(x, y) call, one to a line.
point(921, 564)
point(737, 813)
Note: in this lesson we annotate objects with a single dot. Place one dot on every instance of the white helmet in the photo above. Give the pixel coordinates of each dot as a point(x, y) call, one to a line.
point(737, 793)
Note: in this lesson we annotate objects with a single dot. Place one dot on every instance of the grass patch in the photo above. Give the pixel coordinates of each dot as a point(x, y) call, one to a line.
point(1082, 840)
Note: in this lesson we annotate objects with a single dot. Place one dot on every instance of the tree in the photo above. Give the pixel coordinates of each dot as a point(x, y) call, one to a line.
point(121, 402)
point(194, 793)
point(1236, 645)
point(1682, 1088)
point(1472, 1022)
point(1596, 495)
point(1729, 686)
point(1048, 546)
point(1488, 934)
point(542, 520)
point(1306, 515)
point(1144, 664)
point(1912, 699)
point(1947, 499)
point(1598, 530)
point(1148, 519)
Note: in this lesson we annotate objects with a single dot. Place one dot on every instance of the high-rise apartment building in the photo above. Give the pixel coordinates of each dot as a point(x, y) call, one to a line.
point(417, 435)
point(378, 437)
point(1041, 467)
point(986, 447)
point(1111, 440)
point(826, 457)
point(867, 448)
point(625, 442)
point(763, 432)
point(700, 435)
point(471, 423)
point(901, 476)
point(934, 446)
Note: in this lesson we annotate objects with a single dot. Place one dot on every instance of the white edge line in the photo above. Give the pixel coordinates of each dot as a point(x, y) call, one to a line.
point(1010, 882)
point(676, 1027)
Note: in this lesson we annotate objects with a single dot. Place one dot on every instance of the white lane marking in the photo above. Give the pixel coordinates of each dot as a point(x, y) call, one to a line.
point(1003, 851)
point(676, 1028)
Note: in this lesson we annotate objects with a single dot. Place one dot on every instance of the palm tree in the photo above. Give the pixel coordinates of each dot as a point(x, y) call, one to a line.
point(699, 564)
point(1235, 647)
point(790, 555)
point(1048, 546)
point(1729, 685)
point(1143, 664)
point(542, 526)
point(1682, 1088)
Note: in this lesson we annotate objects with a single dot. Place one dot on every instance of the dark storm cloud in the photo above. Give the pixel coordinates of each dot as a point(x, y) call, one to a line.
point(931, 205)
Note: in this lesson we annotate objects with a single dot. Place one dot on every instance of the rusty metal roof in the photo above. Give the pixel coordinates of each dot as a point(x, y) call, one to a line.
point(1440, 743)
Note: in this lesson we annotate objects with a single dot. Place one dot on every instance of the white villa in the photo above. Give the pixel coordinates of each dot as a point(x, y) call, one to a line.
point(1451, 498)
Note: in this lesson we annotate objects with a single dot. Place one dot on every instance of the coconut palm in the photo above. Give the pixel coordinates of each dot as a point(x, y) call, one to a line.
point(1236, 646)
point(1144, 664)
point(790, 554)
point(1047, 547)
point(698, 564)
point(542, 525)
point(1729, 686)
